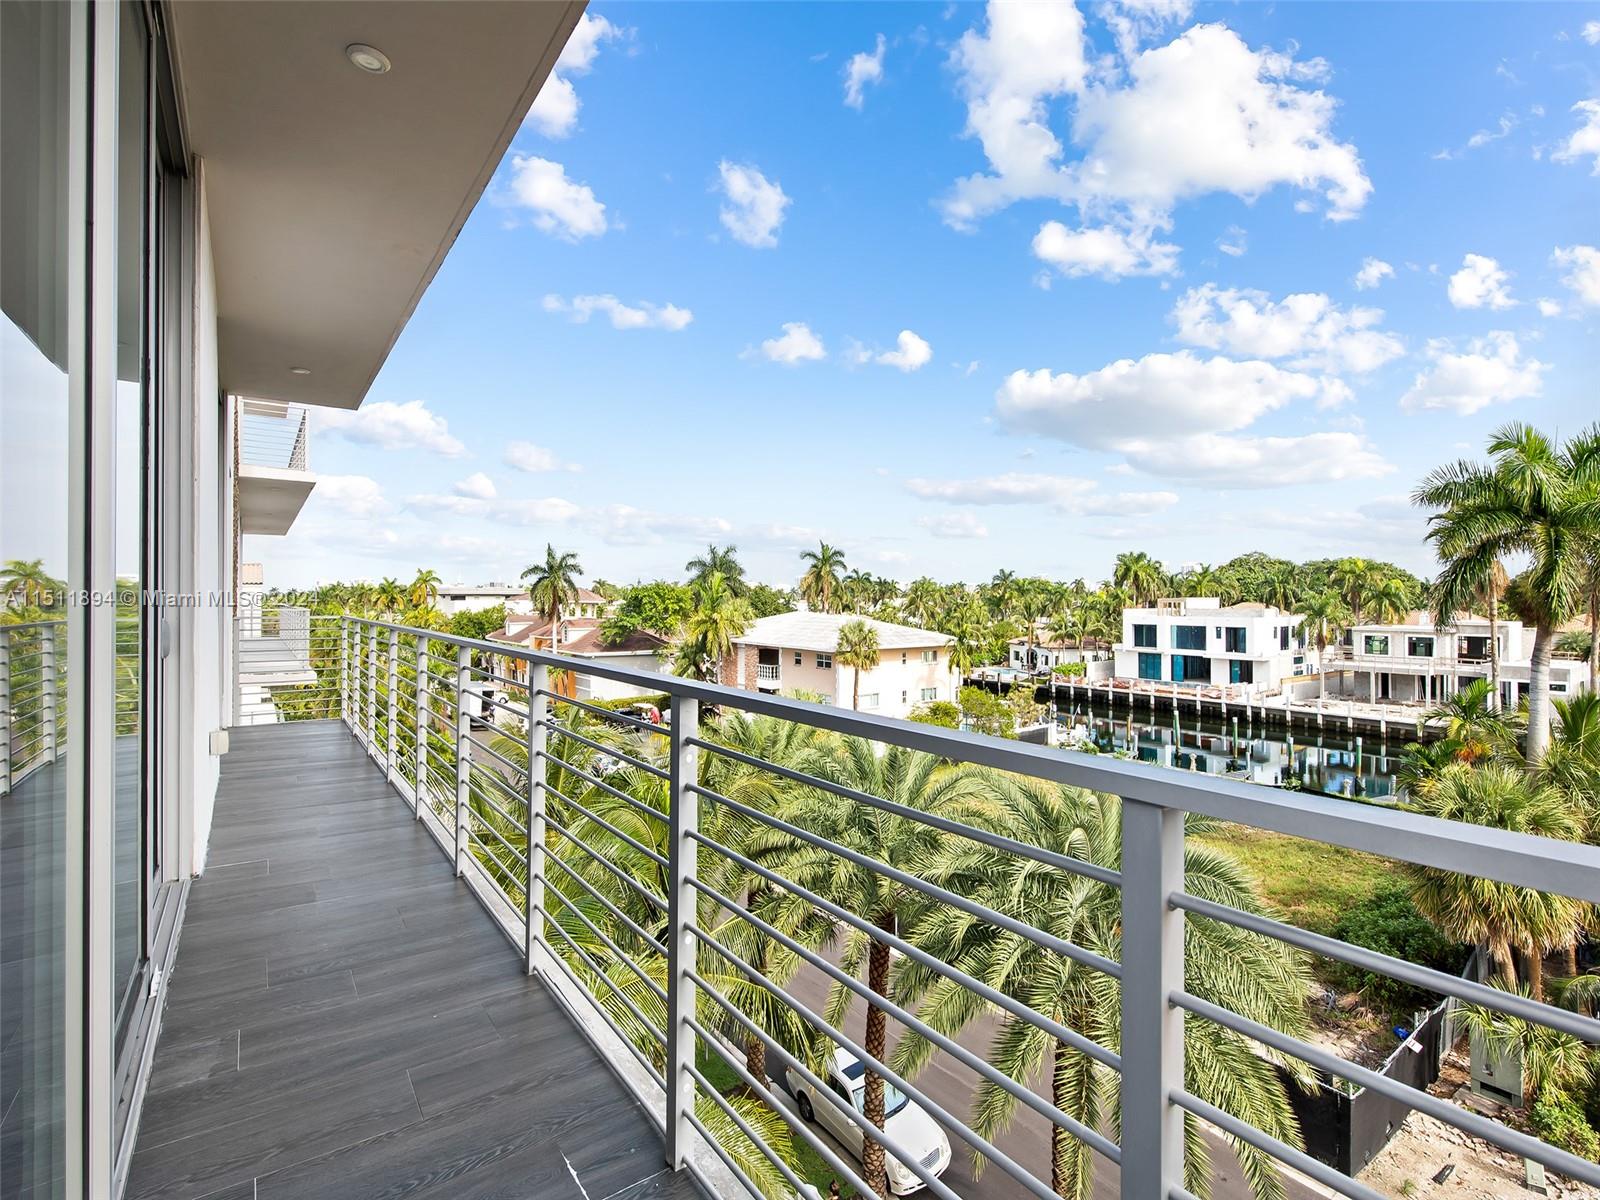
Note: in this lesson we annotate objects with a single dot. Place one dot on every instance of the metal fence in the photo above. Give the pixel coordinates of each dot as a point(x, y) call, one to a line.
point(286, 665)
point(273, 435)
point(606, 846)
point(33, 674)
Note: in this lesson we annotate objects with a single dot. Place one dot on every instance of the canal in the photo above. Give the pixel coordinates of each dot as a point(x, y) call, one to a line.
point(1241, 747)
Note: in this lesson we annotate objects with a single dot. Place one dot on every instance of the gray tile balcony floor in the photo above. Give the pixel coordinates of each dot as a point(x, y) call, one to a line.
point(345, 1020)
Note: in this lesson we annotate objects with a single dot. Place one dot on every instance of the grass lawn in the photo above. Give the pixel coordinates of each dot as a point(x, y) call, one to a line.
point(1311, 884)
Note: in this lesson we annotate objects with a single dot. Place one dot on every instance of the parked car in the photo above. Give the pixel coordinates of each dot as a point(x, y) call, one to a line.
point(905, 1122)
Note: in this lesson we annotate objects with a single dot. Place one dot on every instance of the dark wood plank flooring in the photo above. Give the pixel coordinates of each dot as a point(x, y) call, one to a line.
point(344, 1020)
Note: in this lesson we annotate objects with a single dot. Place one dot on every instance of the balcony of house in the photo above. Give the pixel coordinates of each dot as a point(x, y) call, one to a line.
point(476, 936)
point(274, 470)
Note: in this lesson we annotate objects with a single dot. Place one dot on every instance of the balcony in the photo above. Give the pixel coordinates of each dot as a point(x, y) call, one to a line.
point(274, 472)
point(769, 672)
point(444, 951)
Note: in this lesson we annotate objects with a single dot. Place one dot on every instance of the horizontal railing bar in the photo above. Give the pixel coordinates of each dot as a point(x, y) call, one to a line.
point(1049, 941)
point(499, 837)
point(563, 731)
point(743, 1126)
point(638, 1014)
point(610, 789)
point(1546, 864)
point(486, 673)
point(1584, 1028)
point(495, 754)
point(1015, 1007)
point(475, 790)
point(659, 859)
point(1344, 1184)
point(607, 714)
point(622, 955)
point(519, 713)
point(499, 862)
point(1464, 1120)
point(639, 930)
point(644, 892)
point(726, 1159)
point(1065, 862)
point(949, 1045)
point(611, 1022)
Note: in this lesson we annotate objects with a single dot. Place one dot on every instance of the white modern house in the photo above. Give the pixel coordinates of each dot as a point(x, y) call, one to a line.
point(1199, 642)
point(1413, 661)
point(796, 652)
point(1045, 654)
point(466, 597)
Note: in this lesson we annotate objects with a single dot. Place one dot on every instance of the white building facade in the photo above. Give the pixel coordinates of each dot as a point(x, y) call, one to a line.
point(1198, 642)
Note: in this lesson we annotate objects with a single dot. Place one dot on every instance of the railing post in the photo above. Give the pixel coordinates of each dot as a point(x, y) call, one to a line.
point(1152, 969)
point(344, 670)
point(538, 711)
point(463, 755)
point(5, 711)
point(391, 721)
point(423, 727)
point(684, 820)
point(371, 657)
point(47, 689)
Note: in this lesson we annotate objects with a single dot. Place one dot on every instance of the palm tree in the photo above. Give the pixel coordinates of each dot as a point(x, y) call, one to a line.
point(1533, 498)
point(424, 588)
point(1506, 918)
point(857, 649)
point(1002, 592)
point(921, 602)
point(1550, 1059)
point(1490, 589)
point(1352, 576)
point(720, 560)
point(901, 776)
point(1386, 599)
point(1241, 971)
point(1037, 599)
point(1324, 619)
point(1203, 580)
point(716, 617)
point(552, 585)
point(1281, 587)
point(390, 596)
point(1141, 576)
point(27, 580)
point(820, 586)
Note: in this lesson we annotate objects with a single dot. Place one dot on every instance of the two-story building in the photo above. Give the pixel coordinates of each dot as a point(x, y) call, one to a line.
point(1417, 662)
point(1199, 642)
point(798, 652)
point(583, 637)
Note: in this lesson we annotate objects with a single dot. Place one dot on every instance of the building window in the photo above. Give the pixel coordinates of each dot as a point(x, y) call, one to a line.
point(902, 697)
point(930, 656)
point(1283, 638)
point(869, 700)
point(1419, 647)
point(1375, 643)
point(1149, 666)
point(930, 693)
point(1144, 635)
point(1190, 668)
point(904, 658)
point(1234, 640)
point(1241, 670)
point(1188, 637)
point(798, 661)
point(824, 662)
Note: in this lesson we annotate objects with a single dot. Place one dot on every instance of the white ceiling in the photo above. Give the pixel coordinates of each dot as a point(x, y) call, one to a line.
point(333, 195)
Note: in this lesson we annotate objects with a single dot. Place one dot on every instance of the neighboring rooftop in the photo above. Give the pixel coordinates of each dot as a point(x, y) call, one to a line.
point(521, 630)
point(820, 631)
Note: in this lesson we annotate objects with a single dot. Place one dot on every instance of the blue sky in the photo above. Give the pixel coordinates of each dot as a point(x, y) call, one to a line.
point(1025, 304)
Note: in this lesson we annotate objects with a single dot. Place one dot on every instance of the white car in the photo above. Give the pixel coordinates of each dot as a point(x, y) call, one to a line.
point(904, 1121)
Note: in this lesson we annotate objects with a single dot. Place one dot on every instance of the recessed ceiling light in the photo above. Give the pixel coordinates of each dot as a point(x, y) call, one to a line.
point(299, 370)
point(369, 58)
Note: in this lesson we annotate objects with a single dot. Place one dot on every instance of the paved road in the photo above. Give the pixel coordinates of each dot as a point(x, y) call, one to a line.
point(1027, 1141)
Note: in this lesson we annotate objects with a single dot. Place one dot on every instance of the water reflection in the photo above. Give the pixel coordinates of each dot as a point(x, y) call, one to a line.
point(1242, 747)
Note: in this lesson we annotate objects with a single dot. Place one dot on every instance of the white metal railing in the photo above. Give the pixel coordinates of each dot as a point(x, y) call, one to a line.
point(273, 435)
point(646, 928)
point(33, 673)
point(286, 665)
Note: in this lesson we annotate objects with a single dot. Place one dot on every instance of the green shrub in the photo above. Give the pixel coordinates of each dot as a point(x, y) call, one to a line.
point(1558, 1119)
point(1068, 670)
point(1387, 921)
point(938, 712)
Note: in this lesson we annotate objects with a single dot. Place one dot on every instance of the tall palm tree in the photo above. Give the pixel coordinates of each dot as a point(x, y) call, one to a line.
point(1386, 599)
point(716, 617)
point(821, 586)
point(905, 777)
point(1490, 589)
point(390, 596)
point(424, 589)
point(27, 580)
point(1250, 974)
point(921, 602)
point(1002, 592)
point(722, 560)
point(1203, 580)
point(1505, 917)
point(1037, 599)
point(1281, 587)
point(1533, 498)
point(858, 650)
point(552, 586)
point(1324, 618)
point(1139, 575)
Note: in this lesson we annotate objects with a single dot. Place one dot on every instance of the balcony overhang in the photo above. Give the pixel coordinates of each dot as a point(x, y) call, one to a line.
point(332, 194)
point(270, 498)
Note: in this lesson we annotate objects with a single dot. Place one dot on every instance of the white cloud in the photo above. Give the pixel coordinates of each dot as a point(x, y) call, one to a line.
point(643, 315)
point(912, 353)
point(1202, 114)
point(1132, 21)
point(1583, 272)
point(476, 486)
point(555, 109)
point(1065, 493)
point(1306, 328)
point(1591, 32)
point(1490, 371)
point(559, 205)
point(1104, 250)
point(862, 69)
point(525, 456)
point(1549, 307)
point(755, 204)
point(1233, 242)
point(1175, 394)
point(1586, 138)
point(548, 510)
point(1260, 462)
point(954, 525)
point(1373, 272)
point(1480, 283)
point(624, 525)
point(797, 345)
point(354, 496)
point(391, 426)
